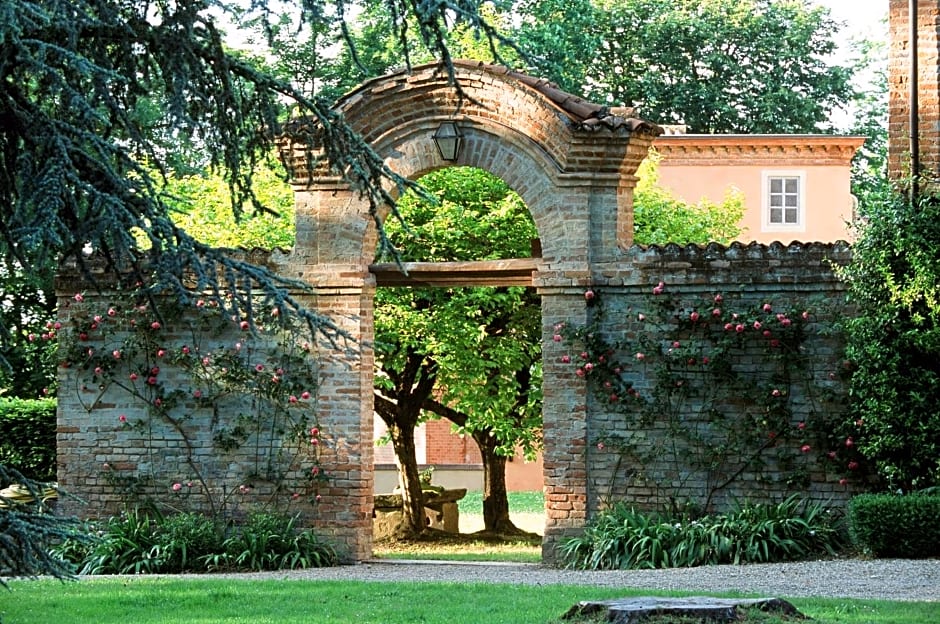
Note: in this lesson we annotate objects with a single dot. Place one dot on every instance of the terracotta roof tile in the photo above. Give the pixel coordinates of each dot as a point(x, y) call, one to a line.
point(587, 115)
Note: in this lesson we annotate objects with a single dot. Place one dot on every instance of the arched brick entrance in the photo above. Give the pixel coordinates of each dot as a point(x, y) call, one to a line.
point(572, 162)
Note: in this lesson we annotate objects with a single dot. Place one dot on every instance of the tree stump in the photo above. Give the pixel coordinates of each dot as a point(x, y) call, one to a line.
point(632, 610)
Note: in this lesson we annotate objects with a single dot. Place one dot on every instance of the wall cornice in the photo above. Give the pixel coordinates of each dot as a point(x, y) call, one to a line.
point(757, 150)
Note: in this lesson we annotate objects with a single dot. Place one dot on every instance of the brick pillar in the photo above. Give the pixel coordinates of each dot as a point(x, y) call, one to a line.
point(564, 413)
point(332, 230)
point(928, 78)
point(344, 404)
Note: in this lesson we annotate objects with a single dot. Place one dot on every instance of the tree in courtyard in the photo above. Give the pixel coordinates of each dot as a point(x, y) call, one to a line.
point(467, 354)
point(714, 65)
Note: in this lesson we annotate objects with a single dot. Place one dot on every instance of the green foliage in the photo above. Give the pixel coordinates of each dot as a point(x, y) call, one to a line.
point(622, 538)
point(29, 528)
point(754, 66)
point(894, 340)
point(27, 312)
point(561, 39)
point(469, 354)
point(27, 437)
point(889, 525)
point(272, 542)
point(202, 205)
point(660, 218)
point(140, 543)
point(100, 98)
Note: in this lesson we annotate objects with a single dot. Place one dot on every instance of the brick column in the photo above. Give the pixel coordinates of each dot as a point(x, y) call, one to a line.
point(344, 403)
point(928, 79)
point(332, 230)
point(564, 413)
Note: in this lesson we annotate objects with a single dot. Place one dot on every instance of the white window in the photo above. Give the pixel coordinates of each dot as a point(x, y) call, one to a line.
point(784, 201)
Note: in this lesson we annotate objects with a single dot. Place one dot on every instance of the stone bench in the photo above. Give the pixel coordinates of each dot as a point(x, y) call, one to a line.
point(440, 507)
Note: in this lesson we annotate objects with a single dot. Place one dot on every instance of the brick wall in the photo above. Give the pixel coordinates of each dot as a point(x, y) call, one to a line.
point(577, 180)
point(792, 278)
point(928, 89)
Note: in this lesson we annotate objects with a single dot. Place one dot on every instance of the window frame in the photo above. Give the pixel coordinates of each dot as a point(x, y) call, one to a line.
point(766, 177)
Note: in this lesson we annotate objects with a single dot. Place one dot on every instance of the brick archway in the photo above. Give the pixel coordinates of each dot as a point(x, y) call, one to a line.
point(572, 162)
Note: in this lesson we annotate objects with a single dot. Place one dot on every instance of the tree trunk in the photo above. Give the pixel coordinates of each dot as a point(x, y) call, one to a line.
point(495, 496)
point(413, 517)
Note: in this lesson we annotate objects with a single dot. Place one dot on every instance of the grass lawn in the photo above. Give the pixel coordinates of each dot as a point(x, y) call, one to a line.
point(143, 600)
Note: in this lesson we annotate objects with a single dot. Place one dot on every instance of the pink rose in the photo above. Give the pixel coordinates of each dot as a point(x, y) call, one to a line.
point(694, 317)
point(806, 448)
point(589, 294)
point(566, 359)
point(177, 487)
point(556, 338)
point(122, 418)
point(155, 325)
point(766, 307)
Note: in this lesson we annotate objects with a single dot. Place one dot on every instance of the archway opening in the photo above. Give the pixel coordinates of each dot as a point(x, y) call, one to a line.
point(458, 361)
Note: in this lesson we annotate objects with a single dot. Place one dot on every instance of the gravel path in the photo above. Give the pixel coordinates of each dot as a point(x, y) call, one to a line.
point(889, 579)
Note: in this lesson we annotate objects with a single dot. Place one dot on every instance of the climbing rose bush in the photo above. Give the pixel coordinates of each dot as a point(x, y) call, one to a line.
point(716, 388)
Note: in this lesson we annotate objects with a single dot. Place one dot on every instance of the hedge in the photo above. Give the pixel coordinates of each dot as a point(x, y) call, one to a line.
point(889, 525)
point(27, 437)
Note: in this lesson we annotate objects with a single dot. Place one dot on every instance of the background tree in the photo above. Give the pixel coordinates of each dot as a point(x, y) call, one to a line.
point(713, 65)
point(660, 218)
point(467, 354)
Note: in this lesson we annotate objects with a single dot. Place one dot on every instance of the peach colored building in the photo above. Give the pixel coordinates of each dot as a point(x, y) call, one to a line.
point(796, 187)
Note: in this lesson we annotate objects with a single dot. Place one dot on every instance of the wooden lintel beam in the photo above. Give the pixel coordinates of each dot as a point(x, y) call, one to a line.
point(513, 272)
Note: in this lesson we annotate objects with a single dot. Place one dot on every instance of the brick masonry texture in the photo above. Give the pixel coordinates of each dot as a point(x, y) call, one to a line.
point(928, 87)
point(577, 177)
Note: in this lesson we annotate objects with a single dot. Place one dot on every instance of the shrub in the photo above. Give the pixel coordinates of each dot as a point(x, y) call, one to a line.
point(272, 542)
point(888, 525)
point(623, 538)
point(894, 341)
point(27, 437)
point(137, 542)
